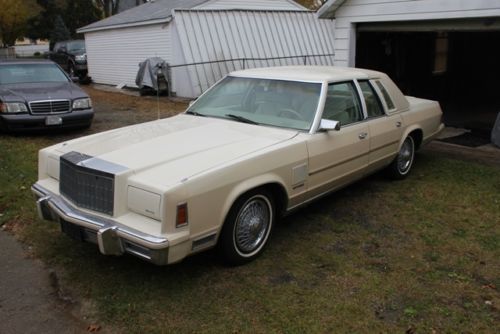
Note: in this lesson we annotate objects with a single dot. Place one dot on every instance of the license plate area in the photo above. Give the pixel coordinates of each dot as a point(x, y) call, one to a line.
point(53, 120)
point(73, 231)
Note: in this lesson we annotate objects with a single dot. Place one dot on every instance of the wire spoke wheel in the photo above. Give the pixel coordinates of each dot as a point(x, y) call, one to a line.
point(406, 155)
point(247, 227)
point(252, 224)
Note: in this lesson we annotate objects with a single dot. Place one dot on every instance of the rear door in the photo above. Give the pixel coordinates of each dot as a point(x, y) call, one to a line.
point(385, 128)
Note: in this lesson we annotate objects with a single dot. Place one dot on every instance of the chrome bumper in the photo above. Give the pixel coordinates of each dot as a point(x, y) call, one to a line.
point(112, 237)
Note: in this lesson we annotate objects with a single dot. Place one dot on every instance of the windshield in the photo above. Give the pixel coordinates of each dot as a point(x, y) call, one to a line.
point(289, 104)
point(31, 73)
point(76, 46)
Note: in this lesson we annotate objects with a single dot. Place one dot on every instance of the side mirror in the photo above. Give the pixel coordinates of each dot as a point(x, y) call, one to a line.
point(75, 79)
point(61, 50)
point(328, 125)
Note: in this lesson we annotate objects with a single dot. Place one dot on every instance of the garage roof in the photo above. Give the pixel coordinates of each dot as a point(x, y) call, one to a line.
point(158, 11)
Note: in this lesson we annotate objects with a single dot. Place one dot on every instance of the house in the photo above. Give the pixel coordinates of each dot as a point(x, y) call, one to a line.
point(208, 38)
point(446, 50)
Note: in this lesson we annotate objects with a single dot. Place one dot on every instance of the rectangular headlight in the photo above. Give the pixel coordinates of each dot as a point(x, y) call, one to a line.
point(144, 202)
point(85, 103)
point(13, 107)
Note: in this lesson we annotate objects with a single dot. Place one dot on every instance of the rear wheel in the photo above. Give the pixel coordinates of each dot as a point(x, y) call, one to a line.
point(401, 166)
point(247, 227)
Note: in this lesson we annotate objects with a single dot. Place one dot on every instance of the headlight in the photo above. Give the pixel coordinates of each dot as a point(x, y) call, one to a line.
point(13, 107)
point(85, 103)
point(81, 57)
point(144, 202)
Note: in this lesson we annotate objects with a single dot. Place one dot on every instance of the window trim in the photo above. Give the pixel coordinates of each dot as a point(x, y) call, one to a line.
point(382, 96)
point(377, 97)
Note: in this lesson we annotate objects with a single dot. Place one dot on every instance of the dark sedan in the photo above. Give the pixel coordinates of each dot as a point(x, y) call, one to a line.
point(36, 95)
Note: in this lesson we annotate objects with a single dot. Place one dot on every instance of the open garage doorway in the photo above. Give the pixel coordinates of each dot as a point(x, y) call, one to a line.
point(460, 69)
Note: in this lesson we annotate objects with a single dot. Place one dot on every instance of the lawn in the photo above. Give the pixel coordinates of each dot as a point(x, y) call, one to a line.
point(419, 255)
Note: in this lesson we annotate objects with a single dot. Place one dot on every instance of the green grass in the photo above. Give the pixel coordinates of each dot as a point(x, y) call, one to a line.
point(376, 257)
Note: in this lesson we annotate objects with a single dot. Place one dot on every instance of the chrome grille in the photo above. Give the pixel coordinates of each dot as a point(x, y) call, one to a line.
point(50, 107)
point(86, 187)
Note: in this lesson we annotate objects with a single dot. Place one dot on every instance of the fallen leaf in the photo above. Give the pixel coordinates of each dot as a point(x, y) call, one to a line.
point(93, 328)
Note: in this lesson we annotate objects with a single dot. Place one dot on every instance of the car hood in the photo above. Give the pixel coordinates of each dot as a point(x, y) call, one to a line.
point(40, 91)
point(174, 149)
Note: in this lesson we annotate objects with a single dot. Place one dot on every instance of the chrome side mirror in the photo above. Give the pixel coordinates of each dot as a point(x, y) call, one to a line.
point(328, 125)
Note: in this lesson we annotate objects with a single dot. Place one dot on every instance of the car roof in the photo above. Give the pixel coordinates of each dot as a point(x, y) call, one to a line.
point(308, 73)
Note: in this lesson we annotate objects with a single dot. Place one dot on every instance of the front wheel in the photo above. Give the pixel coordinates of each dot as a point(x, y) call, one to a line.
point(247, 227)
point(403, 162)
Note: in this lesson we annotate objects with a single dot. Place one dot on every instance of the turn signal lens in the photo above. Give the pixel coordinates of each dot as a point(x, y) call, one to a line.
point(182, 215)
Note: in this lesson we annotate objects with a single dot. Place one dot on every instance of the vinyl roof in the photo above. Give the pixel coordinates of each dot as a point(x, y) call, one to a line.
point(151, 12)
point(308, 73)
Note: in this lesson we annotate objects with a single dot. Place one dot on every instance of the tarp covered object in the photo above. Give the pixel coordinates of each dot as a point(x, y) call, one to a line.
point(495, 133)
point(147, 76)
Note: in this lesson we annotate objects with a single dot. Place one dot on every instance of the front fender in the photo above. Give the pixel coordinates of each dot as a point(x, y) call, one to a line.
point(247, 185)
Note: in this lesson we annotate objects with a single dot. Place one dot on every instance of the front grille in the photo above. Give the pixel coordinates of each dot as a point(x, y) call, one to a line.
point(50, 107)
point(86, 187)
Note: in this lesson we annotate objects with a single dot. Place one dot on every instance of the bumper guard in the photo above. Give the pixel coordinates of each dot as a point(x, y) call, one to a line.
point(112, 237)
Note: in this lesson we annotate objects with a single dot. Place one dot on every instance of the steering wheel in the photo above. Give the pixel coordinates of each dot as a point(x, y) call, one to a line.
point(291, 112)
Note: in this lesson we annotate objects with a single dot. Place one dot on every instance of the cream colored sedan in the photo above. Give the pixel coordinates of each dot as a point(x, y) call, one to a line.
point(258, 144)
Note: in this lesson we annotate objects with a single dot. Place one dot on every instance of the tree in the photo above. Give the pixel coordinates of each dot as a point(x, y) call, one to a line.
point(109, 7)
point(41, 26)
point(75, 14)
point(79, 13)
point(60, 32)
point(14, 16)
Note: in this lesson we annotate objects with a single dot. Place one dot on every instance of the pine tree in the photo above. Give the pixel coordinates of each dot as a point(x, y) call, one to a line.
point(60, 32)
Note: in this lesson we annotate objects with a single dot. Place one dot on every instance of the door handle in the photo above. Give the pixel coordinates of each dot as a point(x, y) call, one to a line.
point(362, 135)
point(398, 124)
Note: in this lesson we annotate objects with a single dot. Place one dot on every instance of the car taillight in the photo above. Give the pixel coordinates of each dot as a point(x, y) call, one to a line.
point(182, 215)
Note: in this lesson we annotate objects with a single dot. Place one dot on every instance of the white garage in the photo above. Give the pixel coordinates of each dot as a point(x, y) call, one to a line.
point(446, 50)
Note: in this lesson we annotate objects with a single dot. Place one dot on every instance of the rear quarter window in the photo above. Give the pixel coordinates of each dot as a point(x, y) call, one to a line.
point(385, 94)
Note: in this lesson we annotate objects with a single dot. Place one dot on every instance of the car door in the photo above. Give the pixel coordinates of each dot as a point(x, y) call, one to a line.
point(339, 157)
point(385, 129)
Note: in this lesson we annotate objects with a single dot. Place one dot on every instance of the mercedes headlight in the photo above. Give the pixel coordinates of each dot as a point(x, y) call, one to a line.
point(85, 103)
point(81, 57)
point(13, 107)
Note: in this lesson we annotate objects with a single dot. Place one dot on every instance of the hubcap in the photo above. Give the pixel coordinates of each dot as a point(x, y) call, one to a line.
point(252, 224)
point(405, 156)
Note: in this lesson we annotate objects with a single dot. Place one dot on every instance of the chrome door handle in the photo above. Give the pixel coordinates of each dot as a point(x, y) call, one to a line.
point(398, 124)
point(362, 135)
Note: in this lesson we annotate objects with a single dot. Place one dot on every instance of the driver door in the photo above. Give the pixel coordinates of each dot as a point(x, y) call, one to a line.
point(339, 157)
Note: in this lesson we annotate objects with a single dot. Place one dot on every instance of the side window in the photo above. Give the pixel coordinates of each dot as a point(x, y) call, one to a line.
point(373, 106)
point(387, 97)
point(342, 104)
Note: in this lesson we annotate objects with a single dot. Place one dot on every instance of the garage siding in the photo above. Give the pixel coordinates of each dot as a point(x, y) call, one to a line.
point(224, 35)
point(362, 11)
point(255, 4)
point(114, 54)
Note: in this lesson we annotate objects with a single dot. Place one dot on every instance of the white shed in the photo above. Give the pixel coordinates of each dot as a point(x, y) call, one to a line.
point(222, 34)
point(446, 50)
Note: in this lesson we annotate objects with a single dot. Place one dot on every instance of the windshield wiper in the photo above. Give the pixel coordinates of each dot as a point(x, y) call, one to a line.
point(195, 113)
point(242, 119)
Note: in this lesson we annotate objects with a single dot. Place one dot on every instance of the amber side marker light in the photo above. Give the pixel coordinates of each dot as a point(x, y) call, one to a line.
point(182, 215)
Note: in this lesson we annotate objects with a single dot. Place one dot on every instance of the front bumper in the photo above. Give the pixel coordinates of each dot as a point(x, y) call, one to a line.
point(29, 122)
point(112, 237)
